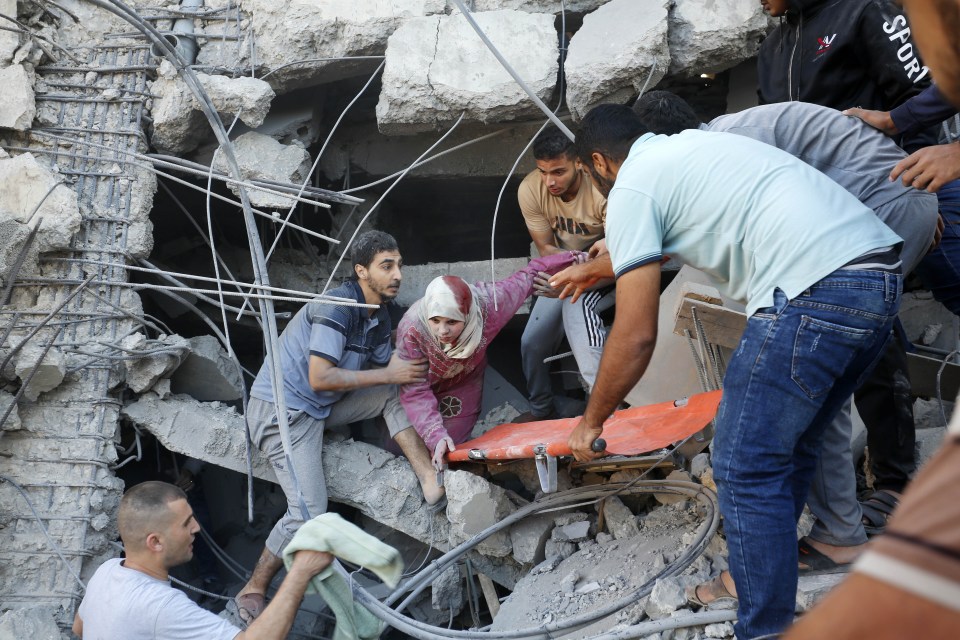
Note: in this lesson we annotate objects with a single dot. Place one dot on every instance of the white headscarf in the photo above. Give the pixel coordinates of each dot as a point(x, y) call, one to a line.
point(451, 297)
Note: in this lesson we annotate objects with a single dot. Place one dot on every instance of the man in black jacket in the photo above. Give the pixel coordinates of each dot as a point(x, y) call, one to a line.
point(841, 54)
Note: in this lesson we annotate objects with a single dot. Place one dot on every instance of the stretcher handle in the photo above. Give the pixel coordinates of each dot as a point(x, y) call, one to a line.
point(599, 445)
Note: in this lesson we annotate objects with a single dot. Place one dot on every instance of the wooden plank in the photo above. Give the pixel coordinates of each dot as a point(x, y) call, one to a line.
point(721, 326)
point(489, 594)
point(724, 327)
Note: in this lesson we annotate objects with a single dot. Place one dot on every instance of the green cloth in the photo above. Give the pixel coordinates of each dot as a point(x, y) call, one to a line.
point(334, 535)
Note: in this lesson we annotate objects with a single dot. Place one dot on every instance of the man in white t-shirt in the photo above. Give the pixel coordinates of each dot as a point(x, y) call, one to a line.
point(132, 598)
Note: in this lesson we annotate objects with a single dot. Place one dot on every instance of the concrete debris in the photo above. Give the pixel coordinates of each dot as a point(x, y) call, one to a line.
point(812, 588)
point(33, 194)
point(447, 591)
point(206, 431)
point(667, 596)
point(708, 36)
point(573, 532)
point(473, 504)
point(262, 157)
point(719, 630)
point(12, 422)
point(534, 6)
point(611, 57)
point(207, 373)
point(177, 115)
point(700, 464)
point(529, 538)
point(160, 358)
point(673, 498)
point(620, 521)
point(9, 40)
point(17, 103)
point(437, 68)
point(330, 30)
point(558, 549)
point(930, 333)
point(36, 623)
point(47, 371)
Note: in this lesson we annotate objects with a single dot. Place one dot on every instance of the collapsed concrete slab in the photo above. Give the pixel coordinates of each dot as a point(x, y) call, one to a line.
point(363, 147)
point(474, 505)
point(32, 194)
point(262, 157)
point(619, 47)
point(438, 67)
point(207, 373)
point(9, 40)
point(177, 117)
point(326, 35)
point(707, 36)
point(18, 105)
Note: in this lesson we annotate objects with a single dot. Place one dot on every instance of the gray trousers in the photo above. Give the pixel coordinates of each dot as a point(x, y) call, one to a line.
point(306, 439)
point(833, 493)
point(549, 320)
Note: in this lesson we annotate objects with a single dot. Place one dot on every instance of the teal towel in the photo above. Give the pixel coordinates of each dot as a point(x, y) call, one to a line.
point(331, 533)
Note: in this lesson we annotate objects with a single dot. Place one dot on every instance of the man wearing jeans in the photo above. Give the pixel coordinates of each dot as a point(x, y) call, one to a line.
point(819, 275)
point(337, 369)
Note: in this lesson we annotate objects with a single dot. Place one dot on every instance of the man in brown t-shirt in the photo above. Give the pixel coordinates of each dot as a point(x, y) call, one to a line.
point(563, 211)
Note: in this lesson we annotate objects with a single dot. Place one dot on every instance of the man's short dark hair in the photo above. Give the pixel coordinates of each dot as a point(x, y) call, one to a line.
point(665, 112)
point(608, 129)
point(143, 510)
point(368, 244)
point(552, 143)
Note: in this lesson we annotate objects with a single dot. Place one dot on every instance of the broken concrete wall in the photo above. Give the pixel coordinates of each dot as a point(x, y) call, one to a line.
point(179, 123)
point(17, 101)
point(621, 47)
point(438, 68)
point(707, 36)
point(322, 33)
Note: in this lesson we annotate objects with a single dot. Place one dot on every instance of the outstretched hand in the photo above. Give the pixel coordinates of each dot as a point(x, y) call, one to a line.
point(929, 168)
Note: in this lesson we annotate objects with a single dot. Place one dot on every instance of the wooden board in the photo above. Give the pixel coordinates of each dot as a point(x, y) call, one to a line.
point(629, 432)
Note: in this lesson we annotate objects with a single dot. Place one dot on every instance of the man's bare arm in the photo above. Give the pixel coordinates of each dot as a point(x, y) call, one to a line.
point(77, 626)
point(325, 376)
point(545, 242)
point(625, 356)
point(275, 621)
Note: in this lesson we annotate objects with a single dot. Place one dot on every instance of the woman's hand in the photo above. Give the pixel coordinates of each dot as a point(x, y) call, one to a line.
point(445, 445)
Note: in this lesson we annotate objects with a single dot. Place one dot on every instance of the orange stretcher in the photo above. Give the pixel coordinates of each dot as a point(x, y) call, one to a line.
point(629, 432)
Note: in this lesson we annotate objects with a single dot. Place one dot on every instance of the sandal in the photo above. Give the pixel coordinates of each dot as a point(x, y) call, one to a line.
point(877, 509)
point(817, 563)
point(723, 600)
point(250, 606)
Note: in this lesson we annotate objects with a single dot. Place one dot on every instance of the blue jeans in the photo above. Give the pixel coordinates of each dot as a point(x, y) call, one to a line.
point(940, 269)
point(797, 363)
